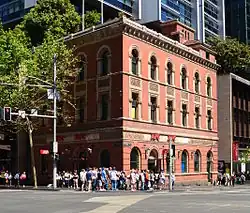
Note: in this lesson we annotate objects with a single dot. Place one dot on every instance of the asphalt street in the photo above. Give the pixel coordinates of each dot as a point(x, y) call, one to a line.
point(15, 201)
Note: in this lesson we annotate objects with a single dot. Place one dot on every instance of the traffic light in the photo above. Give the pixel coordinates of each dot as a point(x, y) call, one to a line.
point(7, 113)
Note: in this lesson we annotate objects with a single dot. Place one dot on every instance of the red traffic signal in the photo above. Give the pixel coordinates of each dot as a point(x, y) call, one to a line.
point(7, 113)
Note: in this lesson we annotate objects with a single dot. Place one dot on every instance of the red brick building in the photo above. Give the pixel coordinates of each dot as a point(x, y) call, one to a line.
point(136, 89)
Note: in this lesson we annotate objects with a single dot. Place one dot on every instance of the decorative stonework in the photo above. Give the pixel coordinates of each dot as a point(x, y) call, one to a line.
point(135, 82)
point(197, 98)
point(170, 91)
point(184, 95)
point(133, 136)
point(153, 87)
point(209, 102)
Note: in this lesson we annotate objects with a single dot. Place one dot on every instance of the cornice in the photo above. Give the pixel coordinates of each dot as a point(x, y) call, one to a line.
point(140, 31)
point(131, 28)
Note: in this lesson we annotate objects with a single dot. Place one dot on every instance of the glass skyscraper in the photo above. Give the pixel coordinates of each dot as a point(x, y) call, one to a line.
point(205, 16)
point(12, 11)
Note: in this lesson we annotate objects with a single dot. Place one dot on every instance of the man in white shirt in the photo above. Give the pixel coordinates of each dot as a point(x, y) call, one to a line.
point(83, 179)
point(113, 178)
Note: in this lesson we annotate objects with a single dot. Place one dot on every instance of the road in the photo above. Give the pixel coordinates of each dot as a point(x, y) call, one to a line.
point(15, 201)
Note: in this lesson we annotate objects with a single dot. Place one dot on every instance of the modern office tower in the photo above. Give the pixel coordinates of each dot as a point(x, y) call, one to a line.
point(238, 19)
point(12, 11)
point(205, 16)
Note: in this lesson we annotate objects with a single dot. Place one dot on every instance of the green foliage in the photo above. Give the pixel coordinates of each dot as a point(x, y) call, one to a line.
point(92, 18)
point(232, 56)
point(245, 156)
point(55, 17)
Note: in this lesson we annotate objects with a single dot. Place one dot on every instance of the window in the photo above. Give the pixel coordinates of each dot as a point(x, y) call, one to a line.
point(184, 159)
point(184, 115)
point(81, 109)
point(197, 82)
point(209, 119)
point(82, 68)
point(134, 112)
point(105, 63)
point(170, 112)
point(197, 158)
point(169, 73)
point(183, 78)
point(153, 109)
point(207, 55)
point(135, 60)
point(197, 117)
point(104, 106)
point(209, 86)
point(153, 66)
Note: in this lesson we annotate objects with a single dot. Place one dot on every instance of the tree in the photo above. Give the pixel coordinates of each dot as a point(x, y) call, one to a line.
point(232, 56)
point(91, 18)
point(245, 156)
point(56, 17)
point(22, 65)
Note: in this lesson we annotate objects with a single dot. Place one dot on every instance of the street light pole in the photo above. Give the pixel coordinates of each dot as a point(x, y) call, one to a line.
point(102, 18)
point(83, 15)
point(170, 164)
point(54, 134)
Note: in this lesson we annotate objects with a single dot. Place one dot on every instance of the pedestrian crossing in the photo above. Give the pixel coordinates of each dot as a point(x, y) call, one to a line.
point(115, 204)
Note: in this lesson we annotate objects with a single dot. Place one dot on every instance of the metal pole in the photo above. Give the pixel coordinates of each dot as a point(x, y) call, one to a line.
point(83, 15)
point(102, 11)
point(54, 135)
point(170, 164)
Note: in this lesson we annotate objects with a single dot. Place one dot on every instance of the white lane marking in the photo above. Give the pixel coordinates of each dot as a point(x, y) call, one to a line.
point(13, 190)
point(115, 204)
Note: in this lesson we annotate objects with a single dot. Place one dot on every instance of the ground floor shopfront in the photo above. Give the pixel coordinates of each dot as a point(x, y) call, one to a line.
point(195, 160)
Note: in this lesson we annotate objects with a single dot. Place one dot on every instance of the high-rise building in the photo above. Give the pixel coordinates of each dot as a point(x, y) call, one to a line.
point(238, 19)
point(12, 11)
point(205, 16)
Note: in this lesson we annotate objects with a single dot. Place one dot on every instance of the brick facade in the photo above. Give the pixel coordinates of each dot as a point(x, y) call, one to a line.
point(128, 97)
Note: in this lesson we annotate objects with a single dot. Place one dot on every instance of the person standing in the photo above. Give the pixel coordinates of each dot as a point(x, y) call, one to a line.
point(173, 180)
point(83, 179)
point(113, 178)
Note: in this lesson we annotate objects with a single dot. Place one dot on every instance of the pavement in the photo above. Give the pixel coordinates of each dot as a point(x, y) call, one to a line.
point(229, 200)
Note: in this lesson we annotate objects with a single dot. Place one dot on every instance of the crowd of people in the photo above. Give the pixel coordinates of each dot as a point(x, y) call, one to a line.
point(6, 178)
point(101, 179)
point(230, 180)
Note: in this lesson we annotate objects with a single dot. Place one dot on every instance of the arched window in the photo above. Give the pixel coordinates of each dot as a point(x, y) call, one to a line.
point(153, 66)
point(105, 159)
point(183, 78)
point(197, 82)
point(82, 68)
point(169, 73)
point(184, 162)
point(209, 87)
point(135, 158)
point(135, 60)
point(197, 163)
point(105, 63)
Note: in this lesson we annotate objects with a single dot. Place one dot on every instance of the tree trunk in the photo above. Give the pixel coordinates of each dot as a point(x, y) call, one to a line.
point(33, 165)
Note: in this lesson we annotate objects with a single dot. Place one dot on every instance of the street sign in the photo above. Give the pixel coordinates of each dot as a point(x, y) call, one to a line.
point(22, 114)
point(55, 147)
point(44, 152)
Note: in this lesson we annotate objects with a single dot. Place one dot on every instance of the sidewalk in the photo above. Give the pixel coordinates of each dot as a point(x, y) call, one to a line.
point(176, 188)
point(41, 188)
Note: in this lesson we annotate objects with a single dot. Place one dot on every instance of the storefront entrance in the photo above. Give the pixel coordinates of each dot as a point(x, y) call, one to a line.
point(153, 161)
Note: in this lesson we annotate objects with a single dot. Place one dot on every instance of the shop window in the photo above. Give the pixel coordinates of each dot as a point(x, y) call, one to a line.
point(197, 163)
point(184, 162)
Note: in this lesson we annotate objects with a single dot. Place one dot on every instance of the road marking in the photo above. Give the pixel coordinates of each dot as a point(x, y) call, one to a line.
point(13, 190)
point(115, 204)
